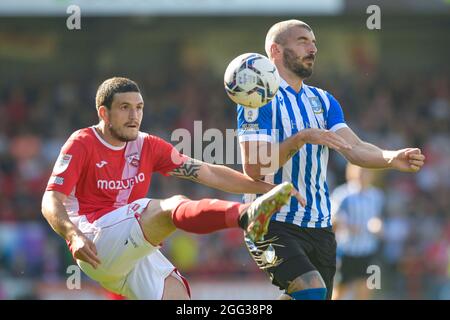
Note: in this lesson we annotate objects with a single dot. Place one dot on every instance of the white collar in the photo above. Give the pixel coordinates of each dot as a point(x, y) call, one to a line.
point(106, 144)
point(287, 87)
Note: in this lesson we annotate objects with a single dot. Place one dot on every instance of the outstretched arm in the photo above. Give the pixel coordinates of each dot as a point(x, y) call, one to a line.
point(368, 155)
point(219, 177)
point(222, 178)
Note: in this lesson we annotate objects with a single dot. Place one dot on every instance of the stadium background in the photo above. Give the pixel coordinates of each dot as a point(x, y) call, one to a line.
point(393, 85)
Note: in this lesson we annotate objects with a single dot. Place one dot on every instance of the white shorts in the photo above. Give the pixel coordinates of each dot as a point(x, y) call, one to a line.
point(130, 265)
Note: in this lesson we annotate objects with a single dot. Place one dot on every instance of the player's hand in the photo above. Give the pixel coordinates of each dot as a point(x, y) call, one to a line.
point(408, 160)
point(324, 137)
point(84, 249)
point(299, 197)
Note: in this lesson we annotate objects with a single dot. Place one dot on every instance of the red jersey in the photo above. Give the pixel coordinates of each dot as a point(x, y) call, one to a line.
point(98, 177)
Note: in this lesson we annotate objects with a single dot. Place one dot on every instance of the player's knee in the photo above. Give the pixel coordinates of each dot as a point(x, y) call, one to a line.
point(153, 210)
point(156, 221)
point(174, 289)
point(309, 280)
point(164, 207)
point(171, 203)
point(308, 286)
point(177, 199)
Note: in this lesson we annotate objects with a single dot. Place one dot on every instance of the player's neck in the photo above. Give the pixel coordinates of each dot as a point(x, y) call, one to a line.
point(106, 135)
point(292, 80)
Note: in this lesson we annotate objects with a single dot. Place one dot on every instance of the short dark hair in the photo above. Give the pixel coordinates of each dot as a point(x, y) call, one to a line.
point(107, 90)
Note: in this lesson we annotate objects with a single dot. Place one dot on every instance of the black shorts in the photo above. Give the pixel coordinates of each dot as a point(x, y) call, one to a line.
point(354, 267)
point(288, 251)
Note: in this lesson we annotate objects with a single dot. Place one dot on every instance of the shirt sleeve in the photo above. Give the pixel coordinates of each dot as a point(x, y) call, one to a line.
point(165, 156)
point(68, 167)
point(255, 124)
point(335, 119)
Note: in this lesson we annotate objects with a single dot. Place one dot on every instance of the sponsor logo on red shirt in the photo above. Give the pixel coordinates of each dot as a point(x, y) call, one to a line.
point(120, 184)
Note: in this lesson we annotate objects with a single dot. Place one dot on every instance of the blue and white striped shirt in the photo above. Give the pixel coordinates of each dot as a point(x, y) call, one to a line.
point(353, 209)
point(288, 113)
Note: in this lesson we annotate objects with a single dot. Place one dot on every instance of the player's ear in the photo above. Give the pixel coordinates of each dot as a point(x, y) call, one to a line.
point(275, 50)
point(103, 114)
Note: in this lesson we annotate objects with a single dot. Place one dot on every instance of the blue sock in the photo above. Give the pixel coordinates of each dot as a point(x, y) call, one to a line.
point(310, 294)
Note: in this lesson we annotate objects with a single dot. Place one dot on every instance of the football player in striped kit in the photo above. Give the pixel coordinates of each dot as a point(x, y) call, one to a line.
point(295, 132)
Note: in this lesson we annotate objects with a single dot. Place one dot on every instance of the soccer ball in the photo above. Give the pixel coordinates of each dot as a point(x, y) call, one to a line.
point(251, 80)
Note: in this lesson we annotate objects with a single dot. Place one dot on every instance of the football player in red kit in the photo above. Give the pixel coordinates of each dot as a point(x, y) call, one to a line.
point(96, 199)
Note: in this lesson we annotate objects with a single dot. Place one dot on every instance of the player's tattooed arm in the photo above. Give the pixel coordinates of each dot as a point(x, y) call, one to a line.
point(219, 177)
point(188, 170)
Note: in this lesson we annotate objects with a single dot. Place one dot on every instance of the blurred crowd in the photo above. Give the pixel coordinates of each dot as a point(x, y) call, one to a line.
point(387, 109)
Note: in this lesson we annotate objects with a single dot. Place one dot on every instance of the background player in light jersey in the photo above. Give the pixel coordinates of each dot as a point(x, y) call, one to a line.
point(95, 199)
point(297, 127)
point(357, 207)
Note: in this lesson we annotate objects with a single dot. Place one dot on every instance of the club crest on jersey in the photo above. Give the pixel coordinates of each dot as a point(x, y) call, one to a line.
point(62, 163)
point(316, 105)
point(133, 159)
point(251, 114)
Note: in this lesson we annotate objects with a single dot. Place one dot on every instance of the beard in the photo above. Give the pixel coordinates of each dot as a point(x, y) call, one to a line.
point(122, 136)
point(292, 63)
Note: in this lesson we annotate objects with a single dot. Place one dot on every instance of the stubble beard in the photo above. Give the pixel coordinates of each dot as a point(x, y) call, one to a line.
point(116, 134)
point(292, 63)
